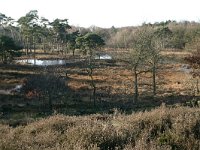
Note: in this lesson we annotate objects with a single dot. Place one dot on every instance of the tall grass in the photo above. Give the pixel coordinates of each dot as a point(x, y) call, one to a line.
point(161, 128)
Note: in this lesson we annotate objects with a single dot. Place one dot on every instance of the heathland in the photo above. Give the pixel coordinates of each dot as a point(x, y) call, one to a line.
point(66, 87)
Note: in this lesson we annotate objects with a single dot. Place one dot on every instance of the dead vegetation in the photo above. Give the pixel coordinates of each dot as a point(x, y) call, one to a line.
point(114, 87)
point(161, 128)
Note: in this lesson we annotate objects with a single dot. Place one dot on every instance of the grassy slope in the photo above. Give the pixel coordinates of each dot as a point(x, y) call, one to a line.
point(161, 128)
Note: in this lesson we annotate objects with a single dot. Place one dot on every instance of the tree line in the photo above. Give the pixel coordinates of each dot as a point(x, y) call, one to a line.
point(33, 31)
point(184, 34)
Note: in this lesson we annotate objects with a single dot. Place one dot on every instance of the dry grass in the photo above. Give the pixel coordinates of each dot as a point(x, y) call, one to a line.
point(170, 79)
point(162, 128)
point(114, 81)
point(119, 76)
point(177, 53)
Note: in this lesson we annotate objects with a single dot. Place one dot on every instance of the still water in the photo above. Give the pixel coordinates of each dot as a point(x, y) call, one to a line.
point(42, 62)
point(39, 62)
point(103, 57)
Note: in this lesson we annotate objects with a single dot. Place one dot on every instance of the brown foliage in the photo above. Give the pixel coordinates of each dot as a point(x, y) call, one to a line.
point(161, 128)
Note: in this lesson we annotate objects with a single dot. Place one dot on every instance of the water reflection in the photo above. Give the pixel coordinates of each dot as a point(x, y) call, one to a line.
point(105, 56)
point(42, 62)
point(39, 62)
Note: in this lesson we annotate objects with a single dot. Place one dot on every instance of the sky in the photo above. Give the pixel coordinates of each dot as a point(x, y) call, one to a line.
point(106, 13)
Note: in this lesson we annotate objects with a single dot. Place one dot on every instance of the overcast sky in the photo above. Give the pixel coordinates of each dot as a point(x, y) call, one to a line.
point(106, 13)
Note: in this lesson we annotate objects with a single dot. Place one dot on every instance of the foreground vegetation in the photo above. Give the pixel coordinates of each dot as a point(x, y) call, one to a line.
point(161, 128)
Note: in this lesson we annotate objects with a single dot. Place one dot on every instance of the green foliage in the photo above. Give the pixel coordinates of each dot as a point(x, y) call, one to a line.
point(93, 41)
point(28, 21)
point(8, 49)
point(164, 34)
point(89, 42)
point(177, 35)
point(178, 39)
point(3, 18)
point(71, 41)
point(60, 27)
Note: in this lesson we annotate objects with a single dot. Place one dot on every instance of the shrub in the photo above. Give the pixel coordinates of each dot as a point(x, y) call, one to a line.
point(44, 86)
point(162, 128)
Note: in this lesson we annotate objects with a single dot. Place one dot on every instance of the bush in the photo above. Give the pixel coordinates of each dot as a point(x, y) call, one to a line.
point(45, 86)
point(162, 128)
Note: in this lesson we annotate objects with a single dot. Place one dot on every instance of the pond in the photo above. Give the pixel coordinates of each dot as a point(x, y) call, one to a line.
point(17, 88)
point(39, 62)
point(185, 68)
point(103, 57)
point(49, 62)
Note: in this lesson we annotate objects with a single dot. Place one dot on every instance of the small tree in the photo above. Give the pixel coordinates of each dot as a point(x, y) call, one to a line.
point(27, 25)
point(145, 55)
point(59, 28)
point(178, 40)
point(71, 41)
point(159, 40)
point(139, 56)
point(89, 43)
point(3, 19)
point(8, 49)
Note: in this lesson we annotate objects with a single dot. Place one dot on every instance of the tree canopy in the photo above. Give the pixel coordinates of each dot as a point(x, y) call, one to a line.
point(90, 42)
point(8, 48)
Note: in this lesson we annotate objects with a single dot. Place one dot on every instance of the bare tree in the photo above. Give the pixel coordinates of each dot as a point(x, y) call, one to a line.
point(139, 56)
point(159, 37)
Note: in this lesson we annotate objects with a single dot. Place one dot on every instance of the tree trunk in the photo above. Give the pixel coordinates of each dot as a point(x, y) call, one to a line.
point(94, 89)
point(43, 41)
point(94, 95)
point(90, 72)
point(135, 86)
point(4, 58)
point(34, 50)
point(27, 46)
point(12, 33)
point(57, 47)
point(197, 85)
point(154, 79)
point(50, 104)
